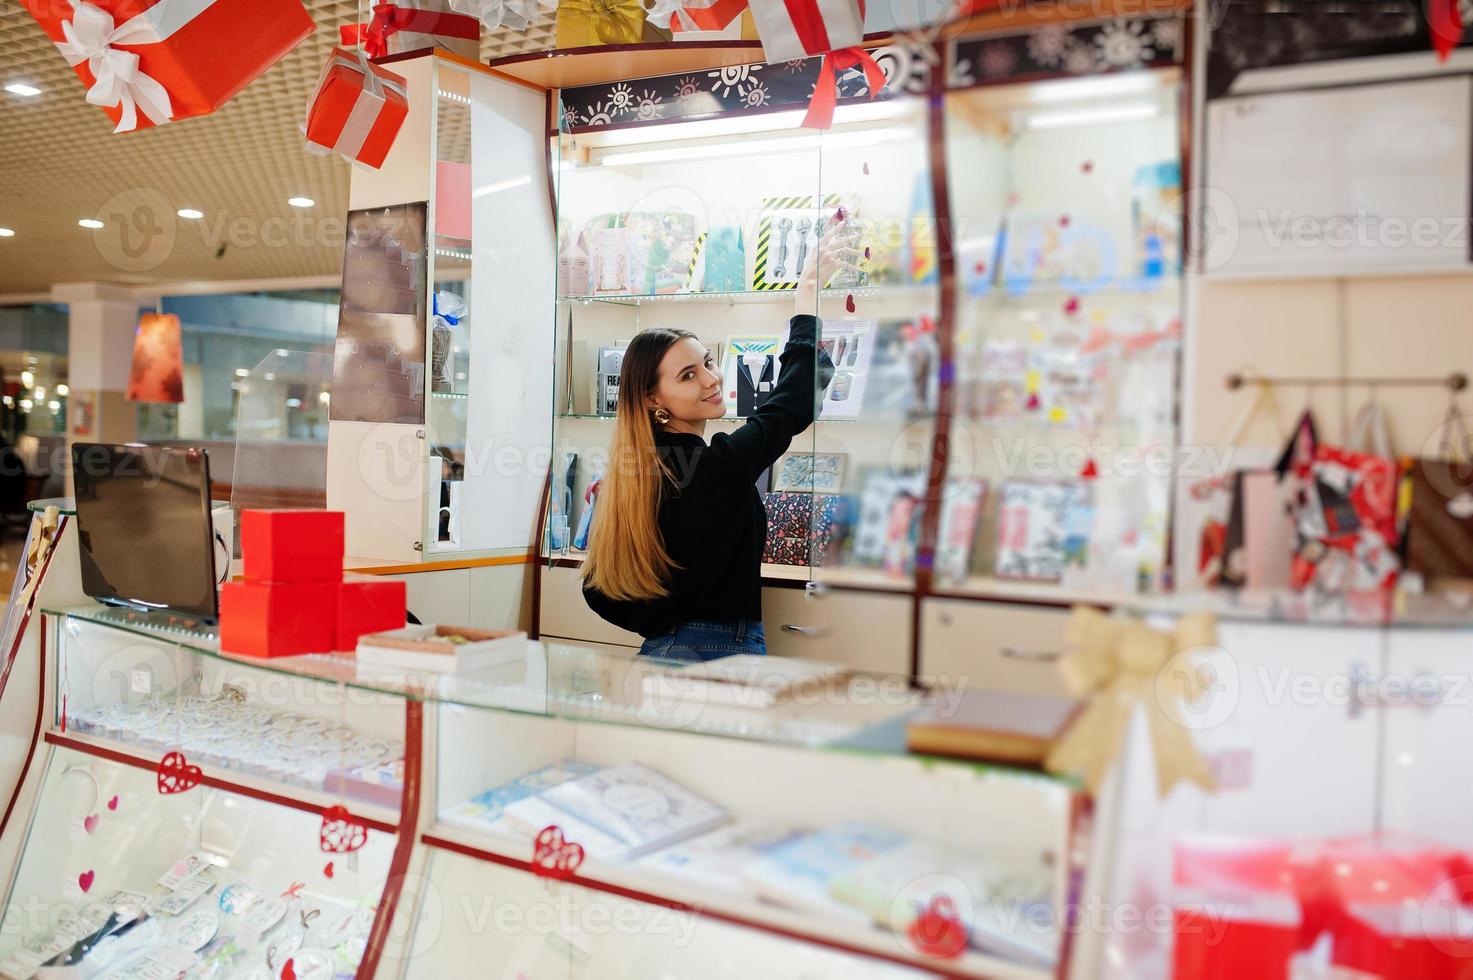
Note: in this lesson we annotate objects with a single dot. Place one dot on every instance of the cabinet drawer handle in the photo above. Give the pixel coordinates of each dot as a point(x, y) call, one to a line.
point(1032, 656)
point(813, 631)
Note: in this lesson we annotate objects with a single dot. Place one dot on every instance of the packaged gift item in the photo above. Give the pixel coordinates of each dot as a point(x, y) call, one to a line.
point(1440, 521)
point(608, 258)
point(1156, 215)
point(850, 345)
point(591, 23)
point(416, 25)
point(292, 545)
point(1042, 526)
point(265, 619)
point(610, 363)
point(357, 109)
point(787, 230)
point(744, 355)
point(441, 648)
point(367, 605)
point(148, 63)
point(723, 261)
point(573, 265)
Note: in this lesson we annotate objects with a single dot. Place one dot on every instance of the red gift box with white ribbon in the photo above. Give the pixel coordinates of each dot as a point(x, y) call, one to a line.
point(357, 109)
point(146, 62)
point(413, 25)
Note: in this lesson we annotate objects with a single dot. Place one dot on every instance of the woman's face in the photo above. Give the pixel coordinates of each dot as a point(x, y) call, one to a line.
point(689, 387)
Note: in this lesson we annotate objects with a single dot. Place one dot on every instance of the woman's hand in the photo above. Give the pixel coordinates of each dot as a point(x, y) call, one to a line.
point(836, 251)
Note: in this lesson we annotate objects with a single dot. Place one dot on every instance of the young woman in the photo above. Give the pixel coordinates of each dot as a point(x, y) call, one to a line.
point(676, 550)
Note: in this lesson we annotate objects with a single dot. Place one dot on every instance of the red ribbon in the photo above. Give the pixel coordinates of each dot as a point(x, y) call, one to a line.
point(1446, 23)
point(807, 21)
point(717, 17)
point(389, 19)
point(826, 92)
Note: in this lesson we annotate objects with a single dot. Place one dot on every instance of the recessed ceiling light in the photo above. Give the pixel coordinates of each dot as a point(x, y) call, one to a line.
point(63, 390)
point(7, 232)
point(22, 89)
point(300, 202)
point(190, 213)
point(90, 223)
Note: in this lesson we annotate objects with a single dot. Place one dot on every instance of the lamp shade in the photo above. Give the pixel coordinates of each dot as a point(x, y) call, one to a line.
point(158, 360)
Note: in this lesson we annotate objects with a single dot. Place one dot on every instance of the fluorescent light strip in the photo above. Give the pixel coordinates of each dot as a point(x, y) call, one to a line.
point(22, 89)
point(1133, 112)
point(1103, 86)
point(790, 144)
point(775, 122)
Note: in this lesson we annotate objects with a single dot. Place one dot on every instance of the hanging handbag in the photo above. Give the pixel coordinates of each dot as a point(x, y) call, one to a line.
point(1440, 519)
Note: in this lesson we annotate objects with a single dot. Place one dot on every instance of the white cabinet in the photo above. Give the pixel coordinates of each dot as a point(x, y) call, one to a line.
point(988, 646)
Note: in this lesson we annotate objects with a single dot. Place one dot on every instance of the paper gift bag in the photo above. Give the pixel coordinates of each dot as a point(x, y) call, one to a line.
point(146, 63)
point(1440, 518)
point(357, 110)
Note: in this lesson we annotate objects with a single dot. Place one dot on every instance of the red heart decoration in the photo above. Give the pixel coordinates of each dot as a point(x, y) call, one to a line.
point(1071, 305)
point(980, 267)
point(112, 804)
point(849, 303)
point(553, 856)
point(341, 831)
point(327, 869)
point(937, 931)
point(839, 216)
point(1032, 402)
point(287, 972)
point(1090, 470)
point(1087, 166)
point(89, 824)
point(176, 775)
point(85, 880)
point(1063, 221)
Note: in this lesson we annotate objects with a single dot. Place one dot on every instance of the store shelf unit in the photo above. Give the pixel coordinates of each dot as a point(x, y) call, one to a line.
point(739, 821)
point(1003, 426)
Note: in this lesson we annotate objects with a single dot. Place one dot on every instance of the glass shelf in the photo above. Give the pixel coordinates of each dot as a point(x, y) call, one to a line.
point(579, 684)
point(896, 292)
point(1054, 288)
point(65, 505)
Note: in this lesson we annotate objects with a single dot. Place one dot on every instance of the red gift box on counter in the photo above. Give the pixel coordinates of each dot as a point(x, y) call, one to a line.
point(368, 606)
point(413, 25)
point(146, 62)
point(357, 109)
point(292, 545)
point(265, 619)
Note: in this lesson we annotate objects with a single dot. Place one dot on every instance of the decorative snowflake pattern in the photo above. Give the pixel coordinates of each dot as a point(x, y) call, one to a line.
point(621, 99)
point(735, 79)
point(1080, 59)
point(1166, 35)
point(998, 60)
point(1048, 44)
point(756, 95)
point(649, 104)
point(687, 87)
point(1123, 43)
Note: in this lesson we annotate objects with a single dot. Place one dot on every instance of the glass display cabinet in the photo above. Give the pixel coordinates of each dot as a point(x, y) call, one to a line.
point(441, 388)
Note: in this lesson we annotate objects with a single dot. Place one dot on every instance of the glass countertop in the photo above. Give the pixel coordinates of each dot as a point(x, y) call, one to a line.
point(1364, 610)
point(851, 712)
point(66, 505)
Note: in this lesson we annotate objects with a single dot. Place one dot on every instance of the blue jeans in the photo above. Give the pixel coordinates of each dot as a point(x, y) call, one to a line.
point(704, 640)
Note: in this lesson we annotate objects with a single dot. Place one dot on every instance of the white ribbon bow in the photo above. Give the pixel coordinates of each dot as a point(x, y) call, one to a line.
point(665, 11)
point(513, 15)
point(90, 36)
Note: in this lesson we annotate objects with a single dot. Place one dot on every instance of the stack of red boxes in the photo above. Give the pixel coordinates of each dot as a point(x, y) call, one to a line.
point(293, 598)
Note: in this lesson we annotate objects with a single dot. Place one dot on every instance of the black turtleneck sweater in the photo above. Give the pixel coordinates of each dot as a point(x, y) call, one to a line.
point(711, 515)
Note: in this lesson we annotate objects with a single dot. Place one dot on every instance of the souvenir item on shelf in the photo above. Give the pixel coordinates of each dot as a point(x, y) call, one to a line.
point(504, 15)
point(641, 808)
point(800, 526)
point(797, 870)
point(292, 545)
point(448, 310)
point(756, 376)
point(573, 265)
point(809, 472)
point(414, 25)
point(488, 807)
point(440, 648)
point(1002, 374)
point(367, 605)
point(762, 349)
point(1156, 215)
point(608, 257)
point(724, 261)
point(590, 505)
point(1038, 249)
point(1017, 729)
point(901, 532)
point(265, 619)
point(590, 23)
point(610, 363)
point(850, 345)
point(1041, 528)
point(713, 861)
point(1069, 381)
point(921, 239)
point(148, 63)
point(380, 783)
point(357, 109)
point(903, 369)
point(879, 490)
point(655, 255)
point(960, 512)
point(788, 229)
point(1440, 520)
point(560, 507)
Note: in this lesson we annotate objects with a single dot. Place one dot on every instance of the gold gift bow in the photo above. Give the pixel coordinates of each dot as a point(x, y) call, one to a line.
point(600, 22)
point(1117, 665)
point(39, 543)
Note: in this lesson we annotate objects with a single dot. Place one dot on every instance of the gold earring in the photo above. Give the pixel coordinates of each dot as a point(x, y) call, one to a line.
point(662, 415)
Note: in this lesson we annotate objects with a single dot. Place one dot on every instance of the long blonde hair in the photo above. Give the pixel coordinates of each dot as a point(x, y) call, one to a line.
point(627, 558)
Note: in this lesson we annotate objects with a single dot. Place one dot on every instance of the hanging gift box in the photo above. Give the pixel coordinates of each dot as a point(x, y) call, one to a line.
point(357, 109)
point(504, 15)
point(397, 28)
point(148, 63)
point(795, 29)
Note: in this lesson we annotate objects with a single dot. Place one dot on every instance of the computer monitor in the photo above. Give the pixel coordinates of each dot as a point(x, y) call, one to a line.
point(144, 528)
